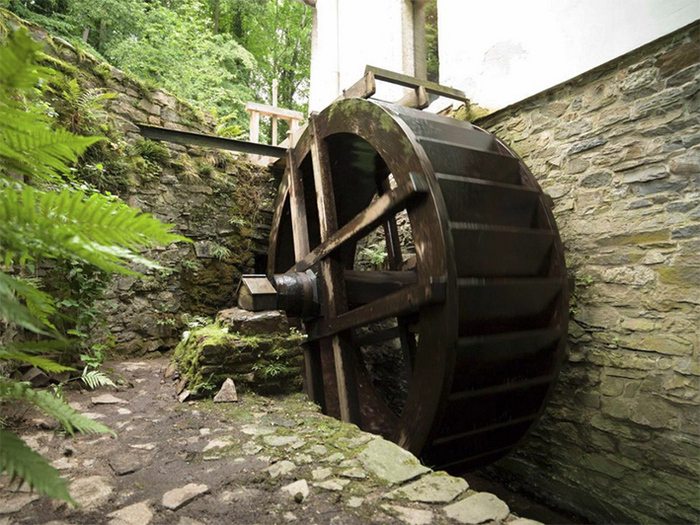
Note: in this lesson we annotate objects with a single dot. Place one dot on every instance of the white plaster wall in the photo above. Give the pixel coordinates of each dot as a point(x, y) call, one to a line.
point(349, 34)
point(501, 51)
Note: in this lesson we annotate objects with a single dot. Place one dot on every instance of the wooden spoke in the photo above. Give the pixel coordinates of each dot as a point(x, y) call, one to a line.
point(393, 247)
point(334, 300)
point(406, 300)
point(363, 222)
point(297, 203)
point(274, 233)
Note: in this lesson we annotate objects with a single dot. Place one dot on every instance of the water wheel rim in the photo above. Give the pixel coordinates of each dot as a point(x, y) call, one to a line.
point(397, 145)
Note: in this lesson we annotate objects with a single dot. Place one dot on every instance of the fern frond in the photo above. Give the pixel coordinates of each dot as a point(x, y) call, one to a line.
point(20, 461)
point(44, 363)
point(95, 378)
point(98, 229)
point(18, 68)
point(52, 406)
point(34, 316)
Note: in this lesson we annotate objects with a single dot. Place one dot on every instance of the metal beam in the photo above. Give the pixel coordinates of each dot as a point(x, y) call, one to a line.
point(210, 141)
point(412, 82)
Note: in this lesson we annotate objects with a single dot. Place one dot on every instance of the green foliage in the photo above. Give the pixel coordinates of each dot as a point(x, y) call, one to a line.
point(21, 462)
point(151, 150)
point(50, 220)
point(215, 54)
point(175, 49)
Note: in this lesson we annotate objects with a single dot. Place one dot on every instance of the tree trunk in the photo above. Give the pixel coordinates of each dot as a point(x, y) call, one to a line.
point(216, 16)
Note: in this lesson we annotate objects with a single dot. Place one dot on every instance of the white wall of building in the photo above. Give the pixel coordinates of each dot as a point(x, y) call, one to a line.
point(348, 35)
point(501, 51)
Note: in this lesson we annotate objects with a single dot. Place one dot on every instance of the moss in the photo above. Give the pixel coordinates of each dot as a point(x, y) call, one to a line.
point(210, 354)
point(680, 275)
point(60, 65)
point(636, 238)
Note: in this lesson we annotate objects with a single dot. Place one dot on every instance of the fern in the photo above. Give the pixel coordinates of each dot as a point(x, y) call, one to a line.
point(21, 462)
point(70, 419)
point(95, 378)
point(39, 223)
point(97, 229)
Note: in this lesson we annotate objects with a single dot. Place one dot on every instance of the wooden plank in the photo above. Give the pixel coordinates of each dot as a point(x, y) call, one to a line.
point(334, 301)
point(210, 141)
point(364, 221)
point(412, 82)
point(272, 111)
point(418, 98)
point(300, 229)
point(365, 286)
point(363, 88)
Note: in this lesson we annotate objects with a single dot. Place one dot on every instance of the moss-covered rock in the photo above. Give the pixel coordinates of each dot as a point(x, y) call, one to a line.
point(269, 363)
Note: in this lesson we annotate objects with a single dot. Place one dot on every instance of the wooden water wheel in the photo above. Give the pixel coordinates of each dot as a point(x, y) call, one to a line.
point(452, 346)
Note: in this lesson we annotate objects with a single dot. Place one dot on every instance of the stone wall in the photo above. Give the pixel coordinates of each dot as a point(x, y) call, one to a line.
point(217, 199)
point(618, 149)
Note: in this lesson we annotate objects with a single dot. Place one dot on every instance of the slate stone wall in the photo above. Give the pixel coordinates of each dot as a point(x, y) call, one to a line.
point(220, 201)
point(618, 149)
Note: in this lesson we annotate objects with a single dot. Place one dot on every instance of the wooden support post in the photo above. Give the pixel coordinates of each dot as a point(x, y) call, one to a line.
point(274, 117)
point(334, 301)
point(254, 126)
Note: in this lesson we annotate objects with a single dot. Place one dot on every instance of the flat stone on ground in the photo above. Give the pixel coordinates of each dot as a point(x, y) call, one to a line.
point(478, 508)
point(176, 498)
point(279, 441)
point(216, 443)
point(281, 468)
point(126, 464)
point(320, 474)
point(107, 399)
point(355, 473)
point(355, 502)
point(390, 462)
point(299, 490)
point(409, 515)
point(433, 488)
point(91, 492)
point(334, 484)
point(256, 430)
point(16, 502)
point(136, 514)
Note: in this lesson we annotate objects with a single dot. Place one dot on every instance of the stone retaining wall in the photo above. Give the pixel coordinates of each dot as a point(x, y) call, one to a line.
point(220, 201)
point(618, 149)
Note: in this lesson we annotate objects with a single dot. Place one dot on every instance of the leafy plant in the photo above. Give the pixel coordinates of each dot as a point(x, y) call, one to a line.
point(43, 217)
point(220, 252)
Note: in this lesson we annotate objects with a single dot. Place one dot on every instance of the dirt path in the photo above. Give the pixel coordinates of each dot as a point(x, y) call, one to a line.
point(257, 461)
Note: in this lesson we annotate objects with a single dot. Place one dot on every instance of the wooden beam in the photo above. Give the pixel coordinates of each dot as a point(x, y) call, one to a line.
point(418, 98)
point(334, 300)
point(363, 88)
point(412, 82)
point(210, 141)
point(272, 111)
